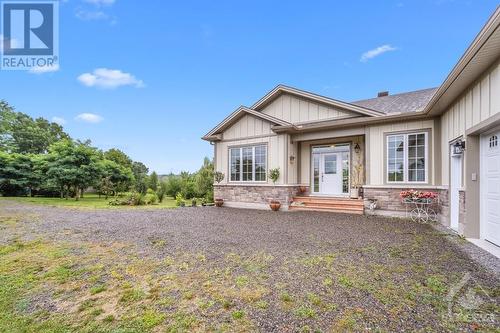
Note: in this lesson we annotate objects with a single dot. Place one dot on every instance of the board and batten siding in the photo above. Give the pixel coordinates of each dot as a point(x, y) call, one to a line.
point(477, 103)
point(375, 142)
point(248, 126)
point(250, 130)
point(296, 110)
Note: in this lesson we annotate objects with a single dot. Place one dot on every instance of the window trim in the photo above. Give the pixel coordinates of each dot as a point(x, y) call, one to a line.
point(405, 158)
point(240, 148)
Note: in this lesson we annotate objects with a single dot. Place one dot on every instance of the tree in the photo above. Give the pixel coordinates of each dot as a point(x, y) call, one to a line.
point(153, 181)
point(140, 172)
point(205, 179)
point(119, 157)
point(106, 186)
point(19, 174)
point(19, 133)
point(188, 185)
point(72, 166)
point(173, 185)
point(120, 177)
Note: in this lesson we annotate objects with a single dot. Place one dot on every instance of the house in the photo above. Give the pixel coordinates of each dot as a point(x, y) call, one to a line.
point(444, 139)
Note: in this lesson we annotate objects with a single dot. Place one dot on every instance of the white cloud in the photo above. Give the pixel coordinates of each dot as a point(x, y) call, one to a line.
point(376, 52)
point(89, 118)
point(44, 69)
point(58, 120)
point(89, 15)
point(109, 79)
point(101, 2)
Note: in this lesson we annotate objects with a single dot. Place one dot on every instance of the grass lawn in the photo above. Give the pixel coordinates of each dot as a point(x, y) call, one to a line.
point(89, 200)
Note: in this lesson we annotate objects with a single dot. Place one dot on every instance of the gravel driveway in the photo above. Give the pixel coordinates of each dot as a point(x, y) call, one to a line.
point(251, 270)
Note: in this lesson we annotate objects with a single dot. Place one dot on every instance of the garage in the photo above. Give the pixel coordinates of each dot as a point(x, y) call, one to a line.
point(490, 186)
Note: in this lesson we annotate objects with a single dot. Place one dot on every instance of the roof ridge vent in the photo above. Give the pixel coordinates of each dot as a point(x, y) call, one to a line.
point(383, 94)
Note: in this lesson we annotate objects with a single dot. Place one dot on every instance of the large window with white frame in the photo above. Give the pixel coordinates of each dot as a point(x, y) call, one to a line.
point(248, 164)
point(407, 160)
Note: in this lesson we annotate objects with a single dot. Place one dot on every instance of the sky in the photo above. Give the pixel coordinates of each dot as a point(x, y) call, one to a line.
point(152, 77)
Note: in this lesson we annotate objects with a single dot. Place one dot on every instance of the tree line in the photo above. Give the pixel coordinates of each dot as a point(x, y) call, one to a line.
point(38, 158)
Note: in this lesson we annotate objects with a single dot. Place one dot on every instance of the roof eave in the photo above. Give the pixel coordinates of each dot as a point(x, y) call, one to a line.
point(434, 107)
point(349, 122)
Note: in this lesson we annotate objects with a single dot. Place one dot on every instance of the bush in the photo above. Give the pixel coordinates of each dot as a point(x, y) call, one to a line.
point(151, 198)
point(162, 191)
point(135, 199)
point(179, 200)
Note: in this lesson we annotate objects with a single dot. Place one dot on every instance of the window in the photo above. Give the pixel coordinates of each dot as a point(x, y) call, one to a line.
point(407, 158)
point(248, 163)
point(330, 164)
point(493, 141)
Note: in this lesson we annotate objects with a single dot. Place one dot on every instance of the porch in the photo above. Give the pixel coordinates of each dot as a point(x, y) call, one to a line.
point(330, 172)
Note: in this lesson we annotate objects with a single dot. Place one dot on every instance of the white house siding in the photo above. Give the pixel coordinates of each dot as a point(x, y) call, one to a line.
point(275, 159)
point(248, 126)
point(296, 110)
point(376, 148)
point(477, 103)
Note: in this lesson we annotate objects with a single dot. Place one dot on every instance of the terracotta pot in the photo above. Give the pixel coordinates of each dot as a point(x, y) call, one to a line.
point(275, 205)
point(302, 189)
point(219, 202)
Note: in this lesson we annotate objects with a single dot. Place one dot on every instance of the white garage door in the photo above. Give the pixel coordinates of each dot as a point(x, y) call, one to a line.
point(490, 185)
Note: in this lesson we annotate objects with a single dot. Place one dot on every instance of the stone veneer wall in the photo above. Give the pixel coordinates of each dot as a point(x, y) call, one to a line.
point(256, 195)
point(389, 202)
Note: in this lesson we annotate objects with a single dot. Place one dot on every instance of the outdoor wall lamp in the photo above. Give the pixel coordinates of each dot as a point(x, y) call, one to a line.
point(292, 159)
point(459, 147)
point(357, 148)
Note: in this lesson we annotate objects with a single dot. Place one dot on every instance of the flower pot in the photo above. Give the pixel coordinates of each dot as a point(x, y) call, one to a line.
point(302, 189)
point(275, 205)
point(354, 193)
point(219, 202)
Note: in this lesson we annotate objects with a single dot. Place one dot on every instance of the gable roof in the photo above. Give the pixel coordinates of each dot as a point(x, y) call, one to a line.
point(235, 116)
point(413, 101)
point(282, 89)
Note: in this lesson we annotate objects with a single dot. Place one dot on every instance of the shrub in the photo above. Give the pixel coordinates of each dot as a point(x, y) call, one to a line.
point(150, 199)
point(135, 199)
point(162, 191)
point(179, 200)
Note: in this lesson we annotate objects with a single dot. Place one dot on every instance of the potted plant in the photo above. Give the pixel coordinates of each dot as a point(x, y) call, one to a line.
point(274, 175)
point(218, 177)
point(302, 189)
point(357, 181)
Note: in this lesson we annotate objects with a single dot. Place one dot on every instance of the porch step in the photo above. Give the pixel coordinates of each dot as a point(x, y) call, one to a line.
point(337, 205)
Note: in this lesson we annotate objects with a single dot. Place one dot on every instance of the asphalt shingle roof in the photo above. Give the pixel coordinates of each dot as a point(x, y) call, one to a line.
point(413, 101)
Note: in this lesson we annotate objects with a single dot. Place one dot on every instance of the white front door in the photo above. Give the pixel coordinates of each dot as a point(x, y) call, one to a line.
point(490, 187)
point(455, 186)
point(331, 173)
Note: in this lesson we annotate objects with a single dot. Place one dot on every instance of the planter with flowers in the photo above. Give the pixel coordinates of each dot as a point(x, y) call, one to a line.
point(274, 175)
point(218, 177)
point(418, 205)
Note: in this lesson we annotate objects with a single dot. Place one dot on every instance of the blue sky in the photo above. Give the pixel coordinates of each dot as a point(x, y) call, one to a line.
point(170, 71)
